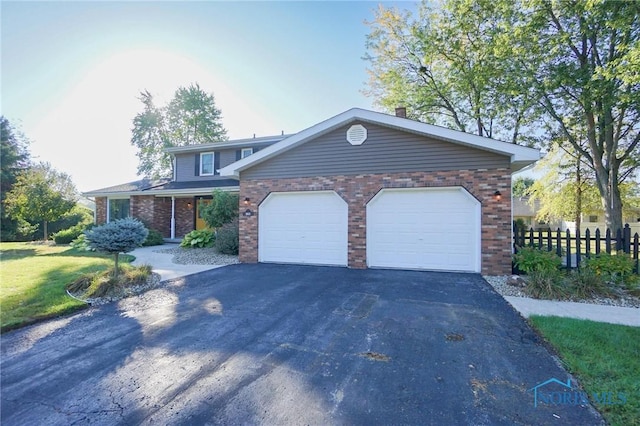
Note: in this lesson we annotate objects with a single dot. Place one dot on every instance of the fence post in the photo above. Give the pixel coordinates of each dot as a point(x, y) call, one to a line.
point(598, 241)
point(568, 240)
point(619, 240)
point(549, 245)
point(539, 239)
point(626, 235)
point(607, 240)
point(531, 231)
point(558, 242)
point(587, 243)
point(635, 253)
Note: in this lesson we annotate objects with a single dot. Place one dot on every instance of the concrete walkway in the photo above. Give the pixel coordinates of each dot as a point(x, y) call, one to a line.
point(162, 262)
point(600, 313)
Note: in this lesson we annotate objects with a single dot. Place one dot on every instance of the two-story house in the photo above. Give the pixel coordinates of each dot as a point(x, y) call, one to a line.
point(172, 206)
point(361, 189)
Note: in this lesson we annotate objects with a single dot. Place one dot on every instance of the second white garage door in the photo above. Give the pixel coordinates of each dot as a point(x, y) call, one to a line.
point(303, 227)
point(424, 228)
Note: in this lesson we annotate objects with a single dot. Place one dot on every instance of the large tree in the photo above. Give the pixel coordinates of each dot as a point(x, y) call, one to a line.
point(14, 159)
point(516, 67)
point(190, 118)
point(586, 78)
point(447, 65)
point(566, 190)
point(41, 194)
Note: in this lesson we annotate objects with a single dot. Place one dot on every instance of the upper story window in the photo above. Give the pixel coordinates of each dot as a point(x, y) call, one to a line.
point(246, 152)
point(206, 163)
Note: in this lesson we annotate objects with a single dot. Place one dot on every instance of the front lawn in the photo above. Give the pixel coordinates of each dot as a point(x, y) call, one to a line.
point(33, 278)
point(604, 357)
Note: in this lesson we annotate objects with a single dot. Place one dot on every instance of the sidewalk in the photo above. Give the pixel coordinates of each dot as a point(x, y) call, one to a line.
point(162, 264)
point(600, 313)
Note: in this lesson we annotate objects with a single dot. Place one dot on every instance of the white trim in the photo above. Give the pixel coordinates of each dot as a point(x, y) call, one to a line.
point(118, 197)
point(165, 192)
point(242, 151)
point(520, 156)
point(229, 144)
point(173, 218)
point(213, 162)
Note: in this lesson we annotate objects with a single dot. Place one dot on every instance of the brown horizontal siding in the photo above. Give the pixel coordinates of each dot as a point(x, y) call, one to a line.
point(385, 150)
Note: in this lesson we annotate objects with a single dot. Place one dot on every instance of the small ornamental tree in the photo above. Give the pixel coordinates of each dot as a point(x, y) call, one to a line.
point(222, 209)
point(119, 236)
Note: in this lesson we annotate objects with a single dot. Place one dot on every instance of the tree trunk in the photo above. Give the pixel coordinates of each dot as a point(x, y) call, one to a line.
point(45, 229)
point(578, 192)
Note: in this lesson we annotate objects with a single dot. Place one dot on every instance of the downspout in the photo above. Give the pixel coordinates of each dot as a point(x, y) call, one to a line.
point(173, 217)
point(108, 215)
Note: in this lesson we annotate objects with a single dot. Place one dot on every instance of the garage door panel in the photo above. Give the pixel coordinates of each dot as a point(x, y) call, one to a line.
point(425, 228)
point(303, 227)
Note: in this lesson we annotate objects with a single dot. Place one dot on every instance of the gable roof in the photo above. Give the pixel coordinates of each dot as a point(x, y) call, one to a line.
point(235, 143)
point(127, 188)
point(164, 187)
point(520, 156)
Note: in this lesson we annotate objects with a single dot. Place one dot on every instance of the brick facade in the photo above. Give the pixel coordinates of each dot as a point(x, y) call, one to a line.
point(185, 216)
point(101, 210)
point(358, 190)
point(155, 212)
point(142, 208)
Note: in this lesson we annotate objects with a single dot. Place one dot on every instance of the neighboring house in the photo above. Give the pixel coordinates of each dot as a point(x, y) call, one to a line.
point(361, 189)
point(523, 210)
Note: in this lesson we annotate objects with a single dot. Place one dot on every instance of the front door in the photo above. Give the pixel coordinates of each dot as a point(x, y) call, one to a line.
point(201, 202)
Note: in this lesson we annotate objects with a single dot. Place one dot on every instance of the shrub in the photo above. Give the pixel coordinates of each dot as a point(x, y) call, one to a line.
point(198, 239)
point(81, 243)
point(78, 216)
point(101, 284)
point(227, 238)
point(615, 269)
point(119, 236)
point(66, 236)
point(531, 259)
point(546, 284)
point(584, 284)
point(222, 209)
point(154, 238)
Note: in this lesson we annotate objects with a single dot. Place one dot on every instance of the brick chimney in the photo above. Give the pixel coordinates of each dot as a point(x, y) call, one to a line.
point(401, 112)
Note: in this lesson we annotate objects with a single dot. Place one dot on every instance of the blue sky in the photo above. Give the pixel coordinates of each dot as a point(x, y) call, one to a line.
point(72, 71)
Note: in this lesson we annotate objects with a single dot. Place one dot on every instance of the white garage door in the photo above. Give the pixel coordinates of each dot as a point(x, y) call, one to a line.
point(303, 227)
point(424, 228)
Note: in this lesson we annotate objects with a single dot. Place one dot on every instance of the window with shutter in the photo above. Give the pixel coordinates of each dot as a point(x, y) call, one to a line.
point(207, 163)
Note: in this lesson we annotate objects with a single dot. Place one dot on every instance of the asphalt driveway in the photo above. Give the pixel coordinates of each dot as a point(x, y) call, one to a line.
point(274, 344)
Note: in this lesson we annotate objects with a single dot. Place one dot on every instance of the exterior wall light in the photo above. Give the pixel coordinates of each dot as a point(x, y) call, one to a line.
point(246, 201)
point(497, 195)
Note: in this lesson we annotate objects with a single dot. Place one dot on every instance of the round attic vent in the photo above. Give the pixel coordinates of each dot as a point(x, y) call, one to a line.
point(357, 134)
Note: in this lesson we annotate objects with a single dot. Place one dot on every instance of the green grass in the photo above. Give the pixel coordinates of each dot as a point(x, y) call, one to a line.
point(604, 357)
point(33, 278)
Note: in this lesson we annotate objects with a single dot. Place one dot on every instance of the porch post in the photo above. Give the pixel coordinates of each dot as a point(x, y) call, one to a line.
point(173, 217)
